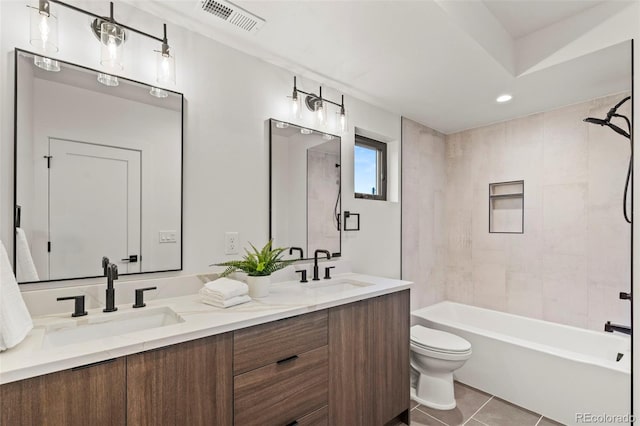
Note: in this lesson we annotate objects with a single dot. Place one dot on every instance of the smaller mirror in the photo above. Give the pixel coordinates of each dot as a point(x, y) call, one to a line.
point(305, 193)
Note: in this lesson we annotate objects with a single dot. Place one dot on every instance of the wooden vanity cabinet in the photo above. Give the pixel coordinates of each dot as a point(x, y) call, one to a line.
point(88, 395)
point(281, 372)
point(185, 384)
point(347, 365)
point(369, 361)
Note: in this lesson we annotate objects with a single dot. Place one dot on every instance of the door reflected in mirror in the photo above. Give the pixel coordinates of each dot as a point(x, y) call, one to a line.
point(98, 173)
point(305, 200)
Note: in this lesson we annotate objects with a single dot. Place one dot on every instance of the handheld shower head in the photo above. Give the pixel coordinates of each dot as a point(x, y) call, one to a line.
point(599, 121)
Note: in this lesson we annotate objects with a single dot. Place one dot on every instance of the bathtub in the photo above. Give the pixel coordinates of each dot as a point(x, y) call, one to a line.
point(552, 369)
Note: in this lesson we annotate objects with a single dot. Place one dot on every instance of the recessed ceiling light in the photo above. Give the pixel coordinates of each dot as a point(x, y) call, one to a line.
point(504, 98)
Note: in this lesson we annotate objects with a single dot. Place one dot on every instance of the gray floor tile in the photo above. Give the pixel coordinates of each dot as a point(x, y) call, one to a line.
point(502, 413)
point(548, 422)
point(413, 405)
point(468, 401)
point(473, 422)
point(418, 418)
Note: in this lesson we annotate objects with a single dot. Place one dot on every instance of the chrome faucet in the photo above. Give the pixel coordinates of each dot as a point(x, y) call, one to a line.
point(315, 262)
point(111, 272)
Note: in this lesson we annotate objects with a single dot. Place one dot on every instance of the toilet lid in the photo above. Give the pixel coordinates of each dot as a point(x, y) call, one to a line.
point(438, 340)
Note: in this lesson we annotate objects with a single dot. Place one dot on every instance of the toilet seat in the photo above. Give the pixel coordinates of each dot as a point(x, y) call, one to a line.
point(439, 344)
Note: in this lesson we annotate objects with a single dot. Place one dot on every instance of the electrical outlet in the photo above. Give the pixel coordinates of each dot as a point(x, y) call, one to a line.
point(231, 241)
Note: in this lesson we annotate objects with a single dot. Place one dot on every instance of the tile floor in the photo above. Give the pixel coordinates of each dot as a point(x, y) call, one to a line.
point(476, 408)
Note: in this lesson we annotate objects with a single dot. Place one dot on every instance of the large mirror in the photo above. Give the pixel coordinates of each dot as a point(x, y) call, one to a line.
point(98, 172)
point(305, 189)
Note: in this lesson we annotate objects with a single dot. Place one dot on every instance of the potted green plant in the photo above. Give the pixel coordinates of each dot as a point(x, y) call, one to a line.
point(258, 265)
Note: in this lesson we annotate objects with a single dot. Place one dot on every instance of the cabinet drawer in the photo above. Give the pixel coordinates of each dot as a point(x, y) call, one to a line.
point(282, 392)
point(264, 344)
point(317, 418)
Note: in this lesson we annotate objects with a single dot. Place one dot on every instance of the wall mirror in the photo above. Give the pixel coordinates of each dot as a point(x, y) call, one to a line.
point(305, 194)
point(98, 172)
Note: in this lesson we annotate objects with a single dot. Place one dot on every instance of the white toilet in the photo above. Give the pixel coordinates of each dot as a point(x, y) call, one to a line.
point(435, 355)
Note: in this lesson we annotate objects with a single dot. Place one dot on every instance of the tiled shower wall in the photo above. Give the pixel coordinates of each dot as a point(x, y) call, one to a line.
point(424, 236)
point(574, 255)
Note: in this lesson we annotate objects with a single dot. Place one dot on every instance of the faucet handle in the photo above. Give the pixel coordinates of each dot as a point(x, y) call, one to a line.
point(79, 306)
point(303, 278)
point(105, 263)
point(140, 296)
point(327, 272)
point(112, 270)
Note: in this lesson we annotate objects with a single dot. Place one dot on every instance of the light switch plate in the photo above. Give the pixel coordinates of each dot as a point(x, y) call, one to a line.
point(167, 237)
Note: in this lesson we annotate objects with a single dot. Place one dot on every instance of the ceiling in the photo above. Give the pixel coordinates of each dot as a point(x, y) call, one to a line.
point(523, 17)
point(439, 62)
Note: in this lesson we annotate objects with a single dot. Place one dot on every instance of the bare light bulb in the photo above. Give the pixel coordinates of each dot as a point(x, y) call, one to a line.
point(43, 28)
point(321, 114)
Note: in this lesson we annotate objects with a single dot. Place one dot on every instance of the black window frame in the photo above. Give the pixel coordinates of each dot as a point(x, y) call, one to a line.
point(382, 179)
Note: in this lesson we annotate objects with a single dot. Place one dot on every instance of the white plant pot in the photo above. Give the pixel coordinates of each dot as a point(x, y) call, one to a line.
point(259, 286)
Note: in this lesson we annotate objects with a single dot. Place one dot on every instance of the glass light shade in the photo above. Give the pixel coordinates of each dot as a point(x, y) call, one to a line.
point(321, 113)
point(158, 93)
point(294, 106)
point(342, 122)
point(165, 68)
point(43, 30)
point(111, 46)
point(305, 131)
point(108, 80)
point(46, 64)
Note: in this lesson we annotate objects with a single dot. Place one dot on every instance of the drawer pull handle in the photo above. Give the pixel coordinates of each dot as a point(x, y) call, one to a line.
point(293, 424)
point(291, 358)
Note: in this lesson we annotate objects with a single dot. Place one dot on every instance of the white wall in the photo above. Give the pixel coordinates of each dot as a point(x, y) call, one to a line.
point(228, 95)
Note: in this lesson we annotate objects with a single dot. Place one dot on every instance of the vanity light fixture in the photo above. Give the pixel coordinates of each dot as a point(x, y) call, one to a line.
point(165, 63)
point(318, 104)
point(504, 98)
point(43, 25)
point(294, 101)
point(112, 36)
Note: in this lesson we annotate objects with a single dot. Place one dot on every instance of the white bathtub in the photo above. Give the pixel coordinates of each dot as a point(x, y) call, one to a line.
point(552, 369)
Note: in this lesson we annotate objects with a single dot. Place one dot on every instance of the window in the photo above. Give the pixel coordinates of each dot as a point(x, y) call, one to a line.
point(370, 169)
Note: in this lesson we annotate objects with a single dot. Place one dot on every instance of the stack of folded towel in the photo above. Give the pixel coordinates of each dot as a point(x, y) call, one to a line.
point(224, 293)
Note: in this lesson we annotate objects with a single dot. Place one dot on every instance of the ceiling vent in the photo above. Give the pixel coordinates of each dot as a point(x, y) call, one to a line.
point(232, 14)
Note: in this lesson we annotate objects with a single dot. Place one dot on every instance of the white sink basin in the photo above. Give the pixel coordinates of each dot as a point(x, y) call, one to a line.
point(335, 285)
point(105, 325)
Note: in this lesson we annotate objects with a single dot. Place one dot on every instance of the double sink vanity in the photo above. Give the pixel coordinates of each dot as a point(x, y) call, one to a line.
point(330, 353)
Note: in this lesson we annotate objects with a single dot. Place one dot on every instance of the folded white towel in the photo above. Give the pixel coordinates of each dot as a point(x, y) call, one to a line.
point(225, 288)
point(226, 303)
point(15, 320)
point(25, 268)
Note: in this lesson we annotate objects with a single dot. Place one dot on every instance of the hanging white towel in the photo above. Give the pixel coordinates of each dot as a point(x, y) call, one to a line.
point(15, 320)
point(25, 267)
point(224, 288)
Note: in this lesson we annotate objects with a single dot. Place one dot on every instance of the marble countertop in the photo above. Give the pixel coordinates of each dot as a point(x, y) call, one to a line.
point(286, 299)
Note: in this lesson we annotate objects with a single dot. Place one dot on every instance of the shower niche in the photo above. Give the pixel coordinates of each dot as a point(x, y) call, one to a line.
point(506, 207)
